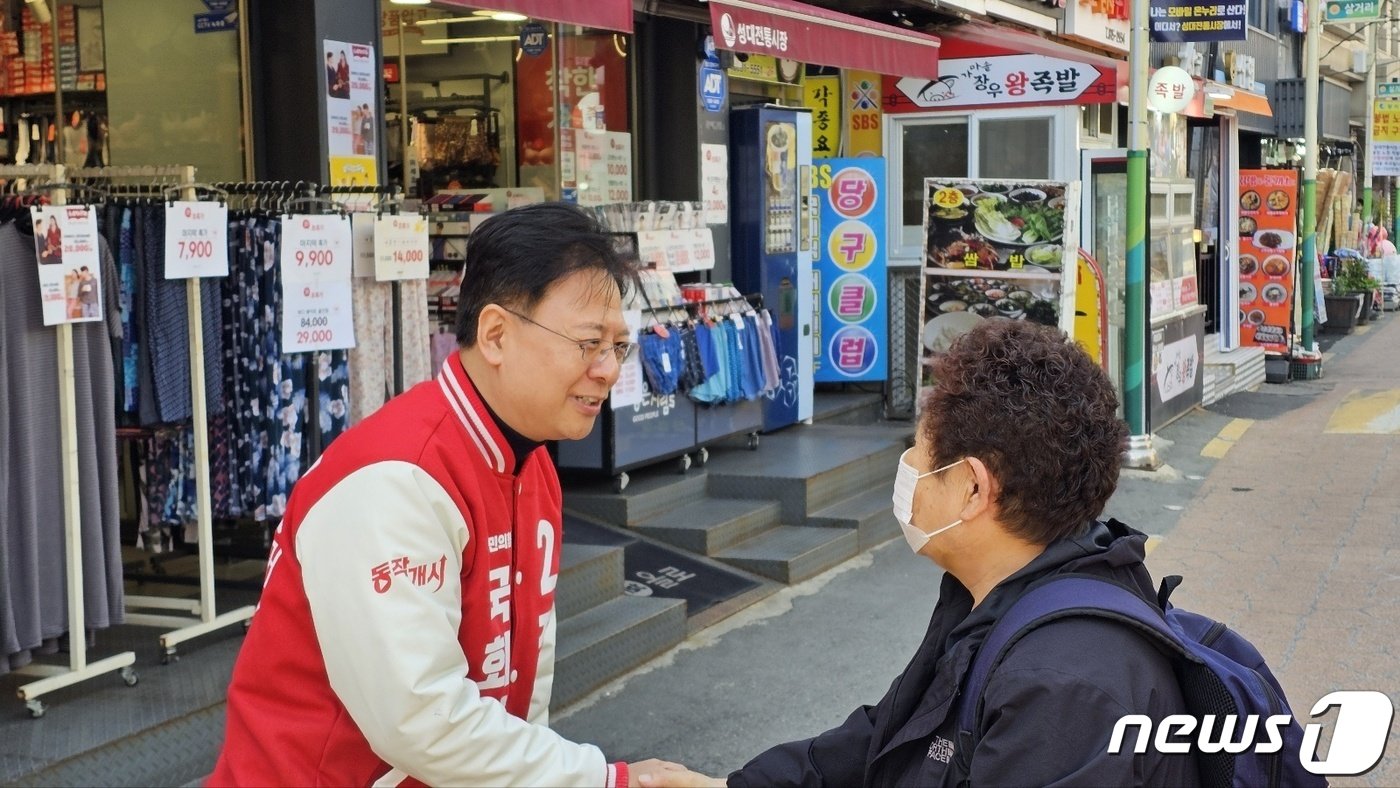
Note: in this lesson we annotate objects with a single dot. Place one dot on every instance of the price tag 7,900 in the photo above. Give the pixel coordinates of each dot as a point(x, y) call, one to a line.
point(196, 240)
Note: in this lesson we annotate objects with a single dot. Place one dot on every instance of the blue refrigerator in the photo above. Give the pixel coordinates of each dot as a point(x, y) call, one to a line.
point(771, 211)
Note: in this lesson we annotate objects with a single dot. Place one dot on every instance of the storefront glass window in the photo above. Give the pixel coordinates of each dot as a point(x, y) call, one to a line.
point(1015, 148)
point(936, 149)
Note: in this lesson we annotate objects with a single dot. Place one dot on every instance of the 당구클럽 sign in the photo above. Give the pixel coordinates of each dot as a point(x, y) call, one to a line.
point(853, 338)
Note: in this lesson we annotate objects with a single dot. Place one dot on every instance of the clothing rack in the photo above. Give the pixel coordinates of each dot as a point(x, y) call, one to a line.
point(201, 616)
point(55, 677)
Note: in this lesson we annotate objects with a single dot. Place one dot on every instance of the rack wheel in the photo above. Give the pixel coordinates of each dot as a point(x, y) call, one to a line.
point(702, 457)
point(36, 708)
point(753, 441)
point(683, 463)
point(170, 656)
point(129, 676)
point(620, 482)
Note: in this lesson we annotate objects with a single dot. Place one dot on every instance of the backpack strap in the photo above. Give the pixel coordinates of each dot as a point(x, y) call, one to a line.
point(1060, 596)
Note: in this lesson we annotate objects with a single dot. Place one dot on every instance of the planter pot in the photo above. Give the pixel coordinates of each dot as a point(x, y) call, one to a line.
point(1342, 313)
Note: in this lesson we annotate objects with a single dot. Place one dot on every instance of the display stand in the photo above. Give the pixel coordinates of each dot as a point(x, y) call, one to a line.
point(56, 677)
point(202, 617)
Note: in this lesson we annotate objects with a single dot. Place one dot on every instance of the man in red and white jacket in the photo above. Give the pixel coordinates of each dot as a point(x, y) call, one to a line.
point(406, 629)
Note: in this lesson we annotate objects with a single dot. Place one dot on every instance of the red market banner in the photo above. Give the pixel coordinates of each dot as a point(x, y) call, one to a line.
point(1268, 245)
point(796, 31)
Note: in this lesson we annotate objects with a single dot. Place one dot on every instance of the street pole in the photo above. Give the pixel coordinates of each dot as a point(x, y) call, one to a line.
point(1310, 86)
point(1140, 452)
point(1366, 217)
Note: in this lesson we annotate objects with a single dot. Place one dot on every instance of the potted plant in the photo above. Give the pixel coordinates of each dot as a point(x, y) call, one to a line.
point(1348, 305)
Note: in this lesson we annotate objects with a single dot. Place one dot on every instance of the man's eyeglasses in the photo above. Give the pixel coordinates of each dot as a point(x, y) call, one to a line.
point(590, 350)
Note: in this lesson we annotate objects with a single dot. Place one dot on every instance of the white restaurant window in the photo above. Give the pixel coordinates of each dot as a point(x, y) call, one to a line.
point(983, 144)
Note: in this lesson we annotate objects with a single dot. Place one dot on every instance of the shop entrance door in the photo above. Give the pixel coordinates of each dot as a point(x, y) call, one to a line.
point(1103, 215)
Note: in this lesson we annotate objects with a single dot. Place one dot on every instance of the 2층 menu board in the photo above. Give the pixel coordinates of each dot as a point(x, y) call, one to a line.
point(1267, 261)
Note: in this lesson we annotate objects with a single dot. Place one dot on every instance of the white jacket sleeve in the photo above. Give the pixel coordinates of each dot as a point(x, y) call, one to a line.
point(393, 658)
point(544, 673)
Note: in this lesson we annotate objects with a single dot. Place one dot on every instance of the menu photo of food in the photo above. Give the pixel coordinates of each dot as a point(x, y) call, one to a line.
point(1268, 237)
point(996, 225)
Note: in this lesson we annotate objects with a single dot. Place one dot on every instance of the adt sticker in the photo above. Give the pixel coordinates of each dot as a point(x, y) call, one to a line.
point(713, 88)
point(534, 39)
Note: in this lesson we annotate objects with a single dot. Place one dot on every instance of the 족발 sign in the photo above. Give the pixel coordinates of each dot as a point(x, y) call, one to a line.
point(1192, 20)
point(1003, 80)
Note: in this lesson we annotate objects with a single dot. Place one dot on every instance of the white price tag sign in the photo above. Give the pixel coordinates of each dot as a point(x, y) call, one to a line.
point(317, 316)
point(316, 270)
point(316, 249)
point(196, 240)
point(400, 247)
point(362, 243)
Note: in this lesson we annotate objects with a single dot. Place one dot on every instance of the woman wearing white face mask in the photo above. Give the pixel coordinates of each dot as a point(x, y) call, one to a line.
point(1016, 454)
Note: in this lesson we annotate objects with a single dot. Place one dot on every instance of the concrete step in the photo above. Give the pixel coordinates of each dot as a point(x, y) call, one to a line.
point(792, 553)
point(589, 575)
point(610, 639)
point(808, 468)
point(649, 492)
point(712, 524)
point(847, 407)
point(870, 514)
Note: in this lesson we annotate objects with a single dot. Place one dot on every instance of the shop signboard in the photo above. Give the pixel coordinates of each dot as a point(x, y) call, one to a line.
point(995, 249)
point(70, 271)
point(1103, 23)
point(1177, 21)
point(1385, 137)
point(1351, 11)
point(1388, 90)
point(863, 115)
point(766, 68)
point(823, 96)
point(994, 80)
point(853, 332)
point(1268, 244)
point(351, 74)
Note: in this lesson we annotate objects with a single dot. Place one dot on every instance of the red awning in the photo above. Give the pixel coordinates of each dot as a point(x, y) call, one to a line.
point(988, 65)
point(797, 31)
point(605, 14)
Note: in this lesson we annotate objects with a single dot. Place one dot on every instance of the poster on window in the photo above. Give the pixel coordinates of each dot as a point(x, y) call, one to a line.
point(853, 333)
point(351, 124)
point(995, 250)
point(70, 272)
point(1268, 251)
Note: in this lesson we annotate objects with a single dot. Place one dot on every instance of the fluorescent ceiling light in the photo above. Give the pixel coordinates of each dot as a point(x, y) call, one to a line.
point(502, 16)
point(410, 2)
point(470, 40)
point(453, 20)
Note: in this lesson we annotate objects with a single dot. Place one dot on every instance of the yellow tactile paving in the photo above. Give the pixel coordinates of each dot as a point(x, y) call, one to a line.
point(1367, 412)
point(1220, 445)
point(1152, 542)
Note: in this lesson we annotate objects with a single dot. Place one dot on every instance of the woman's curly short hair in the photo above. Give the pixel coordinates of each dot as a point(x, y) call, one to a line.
point(1039, 413)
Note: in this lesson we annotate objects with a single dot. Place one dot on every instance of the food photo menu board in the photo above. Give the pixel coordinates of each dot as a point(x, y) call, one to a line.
point(1268, 245)
point(994, 249)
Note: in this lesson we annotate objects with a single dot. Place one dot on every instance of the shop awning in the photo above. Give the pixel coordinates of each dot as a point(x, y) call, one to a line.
point(986, 65)
point(1238, 99)
point(796, 31)
point(605, 14)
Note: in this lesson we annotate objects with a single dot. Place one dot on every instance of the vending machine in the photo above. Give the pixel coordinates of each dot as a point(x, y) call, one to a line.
point(771, 211)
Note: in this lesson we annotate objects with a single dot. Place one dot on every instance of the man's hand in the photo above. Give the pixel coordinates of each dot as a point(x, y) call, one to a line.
point(661, 774)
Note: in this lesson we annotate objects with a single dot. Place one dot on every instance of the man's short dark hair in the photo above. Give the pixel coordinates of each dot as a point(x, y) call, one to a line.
point(513, 259)
point(1040, 413)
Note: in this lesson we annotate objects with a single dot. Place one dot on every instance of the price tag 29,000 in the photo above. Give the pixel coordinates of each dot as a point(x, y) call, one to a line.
point(196, 240)
point(316, 268)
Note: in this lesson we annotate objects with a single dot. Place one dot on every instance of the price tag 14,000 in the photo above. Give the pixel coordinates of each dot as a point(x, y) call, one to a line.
point(196, 240)
point(400, 248)
point(316, 270)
